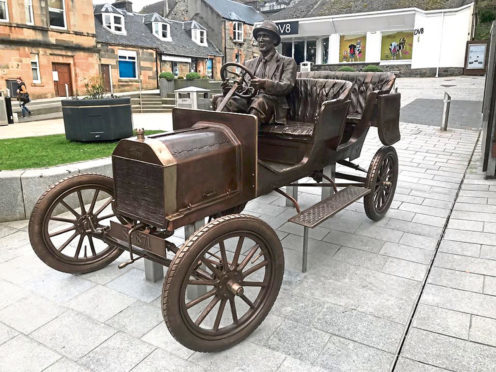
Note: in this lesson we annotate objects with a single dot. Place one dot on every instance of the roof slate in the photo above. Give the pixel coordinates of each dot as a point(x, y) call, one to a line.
point(139, 34)
point(236, 11)
point(317, 8)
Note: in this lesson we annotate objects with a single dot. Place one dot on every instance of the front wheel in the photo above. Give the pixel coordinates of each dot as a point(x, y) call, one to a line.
point(222, 283)
point(382, 178)
point(64, 218)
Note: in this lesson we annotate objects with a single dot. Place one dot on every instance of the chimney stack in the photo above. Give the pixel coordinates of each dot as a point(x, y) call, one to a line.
point(124, 4)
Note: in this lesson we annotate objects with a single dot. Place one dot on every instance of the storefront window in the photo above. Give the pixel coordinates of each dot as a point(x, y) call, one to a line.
point(352, 48)
point(287, 49)
point(325, 50)
point(299, 51)
point(311, 50)
point(397, 45)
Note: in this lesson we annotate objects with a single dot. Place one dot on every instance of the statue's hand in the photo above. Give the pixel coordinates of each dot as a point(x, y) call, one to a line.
point(258, 83)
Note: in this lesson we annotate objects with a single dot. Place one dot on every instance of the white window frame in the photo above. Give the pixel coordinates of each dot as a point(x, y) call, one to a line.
point(196, 35)
point(36, 60)
point(158, 29)
point(6, 11)
point(238, 31)
point(112, 17)
point(57, 10)
point(28, 5)
point(126, 54)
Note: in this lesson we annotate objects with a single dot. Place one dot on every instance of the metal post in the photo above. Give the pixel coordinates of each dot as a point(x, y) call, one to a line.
point(446, 109)
point(329, 171)
point(305, 250)
point(66, 91)
point(153, 271)
point(292, 191)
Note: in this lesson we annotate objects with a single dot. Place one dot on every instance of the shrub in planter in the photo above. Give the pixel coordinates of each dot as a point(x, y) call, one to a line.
point(96, 118)
point(166, 83)
point(167, 75)
point(180, 77)
point(346, 69)
point(372, 68)
point(205, 77)
point(192, 76)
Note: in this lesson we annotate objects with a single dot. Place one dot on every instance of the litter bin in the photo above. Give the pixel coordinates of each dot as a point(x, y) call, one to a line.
point(306, 66)
point(193, 98)
point(10, 113)
point(3, 110)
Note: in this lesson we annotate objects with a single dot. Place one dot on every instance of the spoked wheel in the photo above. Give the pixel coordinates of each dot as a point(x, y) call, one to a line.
point(61, 225)
point(222, 283)
point(382, 178)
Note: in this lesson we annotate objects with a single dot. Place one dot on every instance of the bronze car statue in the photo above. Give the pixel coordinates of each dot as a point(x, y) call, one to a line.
point(222, 282)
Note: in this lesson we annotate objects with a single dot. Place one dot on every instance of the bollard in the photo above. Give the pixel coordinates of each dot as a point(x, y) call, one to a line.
point(446, 108)
point(66, 91)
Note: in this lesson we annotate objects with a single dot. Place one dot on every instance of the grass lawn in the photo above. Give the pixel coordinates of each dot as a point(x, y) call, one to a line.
point(46, 151)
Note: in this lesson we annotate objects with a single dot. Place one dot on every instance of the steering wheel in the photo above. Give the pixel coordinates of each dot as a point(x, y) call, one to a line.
point(243, 87)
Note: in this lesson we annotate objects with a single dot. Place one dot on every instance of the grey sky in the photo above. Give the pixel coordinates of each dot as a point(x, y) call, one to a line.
point(137, 4)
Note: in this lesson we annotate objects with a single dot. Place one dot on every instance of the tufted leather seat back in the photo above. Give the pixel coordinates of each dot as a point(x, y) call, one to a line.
point(307, 96)
point(363, 84)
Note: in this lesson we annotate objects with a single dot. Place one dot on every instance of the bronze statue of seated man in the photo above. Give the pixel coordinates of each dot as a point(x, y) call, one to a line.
point(274, 78)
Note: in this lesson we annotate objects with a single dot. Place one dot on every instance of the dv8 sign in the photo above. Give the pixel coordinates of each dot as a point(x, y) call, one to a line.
point(288, 28)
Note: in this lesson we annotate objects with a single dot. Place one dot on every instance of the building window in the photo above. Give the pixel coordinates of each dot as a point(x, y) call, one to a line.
point(352, 48)
point(127, 64)
point(238, 31)
point(35, 68)
point(397, 45)
point(56, 11)
point(114, 23)
point(4, 12)
point(29, 12)
point(161, 30)
point(199, 37)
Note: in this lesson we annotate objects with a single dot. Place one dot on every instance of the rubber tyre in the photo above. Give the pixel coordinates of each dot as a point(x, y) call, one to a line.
point(385, 153)
point(187, 256)
point(37, 233)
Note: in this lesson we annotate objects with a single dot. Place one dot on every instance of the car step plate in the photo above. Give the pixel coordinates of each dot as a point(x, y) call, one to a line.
point(328, 207)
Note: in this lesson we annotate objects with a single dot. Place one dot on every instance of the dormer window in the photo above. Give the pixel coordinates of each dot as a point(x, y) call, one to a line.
point(199, 36)
point(161, 30)
point(114, 23)
point(238, 31)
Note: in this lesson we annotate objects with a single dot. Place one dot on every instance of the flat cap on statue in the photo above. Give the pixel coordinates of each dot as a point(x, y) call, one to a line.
point(271, 28)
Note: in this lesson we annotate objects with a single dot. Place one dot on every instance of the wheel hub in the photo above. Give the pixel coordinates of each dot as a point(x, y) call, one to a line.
point(229, 284)
point(85, 223)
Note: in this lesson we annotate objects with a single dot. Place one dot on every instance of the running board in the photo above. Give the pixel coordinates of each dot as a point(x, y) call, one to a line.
point(321, 211)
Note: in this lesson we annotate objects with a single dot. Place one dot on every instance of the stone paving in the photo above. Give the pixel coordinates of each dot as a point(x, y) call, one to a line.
point(412, 292)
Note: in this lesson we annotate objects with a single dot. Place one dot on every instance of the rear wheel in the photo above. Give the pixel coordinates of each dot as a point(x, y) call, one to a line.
point(382, 178)
point(61, 225)
point(222, 283)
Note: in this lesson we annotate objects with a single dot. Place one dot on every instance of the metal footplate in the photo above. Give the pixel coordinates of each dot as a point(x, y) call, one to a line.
point(321, 211)
point(328, 207)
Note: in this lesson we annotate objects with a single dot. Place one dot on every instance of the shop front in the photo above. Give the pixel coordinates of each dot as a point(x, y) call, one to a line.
point(420, 39)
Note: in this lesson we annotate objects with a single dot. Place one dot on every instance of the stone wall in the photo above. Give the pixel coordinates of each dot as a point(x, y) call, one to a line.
point(75, 45)
point(403, 70)
point(147, 68)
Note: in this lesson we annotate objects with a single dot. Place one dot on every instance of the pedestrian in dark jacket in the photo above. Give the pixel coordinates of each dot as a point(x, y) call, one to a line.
point(23, 97)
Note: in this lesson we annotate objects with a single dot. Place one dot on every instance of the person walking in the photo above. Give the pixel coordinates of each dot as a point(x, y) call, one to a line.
point(23, 97)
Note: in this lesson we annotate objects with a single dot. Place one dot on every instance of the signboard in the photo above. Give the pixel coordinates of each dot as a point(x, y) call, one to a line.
point(55, 75)
point(476, 56)
point(288, 28)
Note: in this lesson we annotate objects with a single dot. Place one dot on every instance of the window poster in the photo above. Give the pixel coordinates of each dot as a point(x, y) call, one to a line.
point(352, 48)
point(397, 45)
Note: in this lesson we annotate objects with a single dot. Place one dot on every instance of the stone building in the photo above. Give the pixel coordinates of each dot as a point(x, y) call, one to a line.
point(50, 44)
point(229, 23)
point(135, 48)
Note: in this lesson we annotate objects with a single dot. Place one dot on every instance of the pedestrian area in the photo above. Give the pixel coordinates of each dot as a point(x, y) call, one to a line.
point(415, 291)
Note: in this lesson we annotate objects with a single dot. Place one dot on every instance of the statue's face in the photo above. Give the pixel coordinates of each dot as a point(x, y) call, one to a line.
point(266, 42)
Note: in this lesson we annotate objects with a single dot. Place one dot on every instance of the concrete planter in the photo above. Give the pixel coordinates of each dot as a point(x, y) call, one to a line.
point(97, 119)
point(166, 87)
